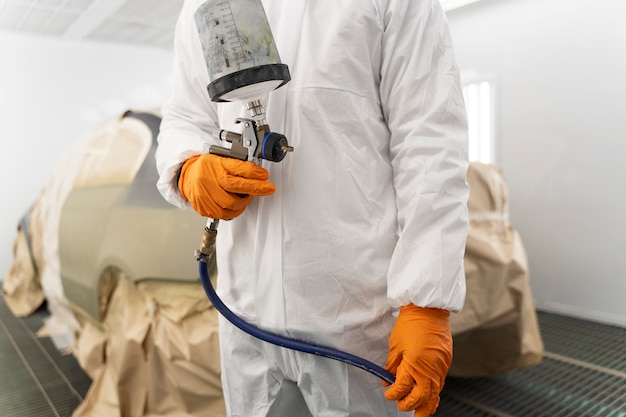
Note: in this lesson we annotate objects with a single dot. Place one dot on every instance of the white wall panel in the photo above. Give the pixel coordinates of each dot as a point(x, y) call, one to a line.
point(561, 71)
point(51, 92)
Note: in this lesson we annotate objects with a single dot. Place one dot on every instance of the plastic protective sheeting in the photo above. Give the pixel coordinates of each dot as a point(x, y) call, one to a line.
point(105, 164)
point(43, 222)
point(156, 351)
point(155, 354)
point(497, 330)
point(90, 161)
point(21, 288)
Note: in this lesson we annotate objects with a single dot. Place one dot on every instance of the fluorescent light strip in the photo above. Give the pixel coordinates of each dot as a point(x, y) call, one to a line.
point(485, 123)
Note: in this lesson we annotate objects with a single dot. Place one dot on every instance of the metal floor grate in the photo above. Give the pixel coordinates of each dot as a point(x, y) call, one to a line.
point(35, 379)
point(601, 345)
point(583, 374)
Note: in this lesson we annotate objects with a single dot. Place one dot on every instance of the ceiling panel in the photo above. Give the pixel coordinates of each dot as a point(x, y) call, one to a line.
point(78, 4)
point(135, 7)
point(58, 24)
point(10, 16)
point(34, 19)
point(139, 22)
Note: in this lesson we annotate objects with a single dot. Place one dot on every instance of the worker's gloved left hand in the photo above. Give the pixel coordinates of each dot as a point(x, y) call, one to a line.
point(420, 353)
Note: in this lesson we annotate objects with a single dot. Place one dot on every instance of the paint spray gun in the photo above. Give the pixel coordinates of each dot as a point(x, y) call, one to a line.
point(243, 65)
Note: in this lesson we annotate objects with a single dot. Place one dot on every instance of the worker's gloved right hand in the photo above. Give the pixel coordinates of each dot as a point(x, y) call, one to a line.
point(220, 187)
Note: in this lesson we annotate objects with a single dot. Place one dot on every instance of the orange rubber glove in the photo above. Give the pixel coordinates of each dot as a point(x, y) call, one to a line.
point(220, 187)
point(420, 353)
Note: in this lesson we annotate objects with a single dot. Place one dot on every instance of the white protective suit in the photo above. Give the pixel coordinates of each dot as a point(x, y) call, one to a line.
point(370, 210)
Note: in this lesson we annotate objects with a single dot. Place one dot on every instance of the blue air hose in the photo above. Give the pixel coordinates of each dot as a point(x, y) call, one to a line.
point(285, 341)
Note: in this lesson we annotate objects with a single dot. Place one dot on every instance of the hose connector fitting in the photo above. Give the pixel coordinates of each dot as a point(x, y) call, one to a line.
point(207, 244)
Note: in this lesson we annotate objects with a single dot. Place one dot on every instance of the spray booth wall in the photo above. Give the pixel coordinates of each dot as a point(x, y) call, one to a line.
point(51, 92)
point(559, 67)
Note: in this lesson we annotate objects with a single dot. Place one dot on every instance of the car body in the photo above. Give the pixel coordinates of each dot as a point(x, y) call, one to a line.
point(114, 219)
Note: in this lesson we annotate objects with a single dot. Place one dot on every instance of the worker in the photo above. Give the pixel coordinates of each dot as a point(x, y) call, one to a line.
point(356, 239)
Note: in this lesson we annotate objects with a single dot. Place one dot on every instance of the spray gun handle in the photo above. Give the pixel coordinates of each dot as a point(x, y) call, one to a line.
point(256, 142)
point(242, 145)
